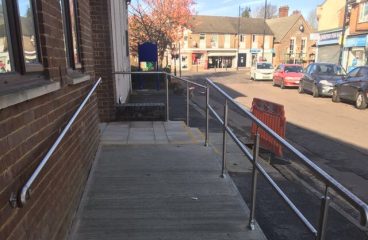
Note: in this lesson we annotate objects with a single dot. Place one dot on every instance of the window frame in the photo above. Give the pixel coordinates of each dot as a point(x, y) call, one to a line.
point(292, 40)
point(303, 50)
point(68, 35)
point(361, 18)
point(21, 70)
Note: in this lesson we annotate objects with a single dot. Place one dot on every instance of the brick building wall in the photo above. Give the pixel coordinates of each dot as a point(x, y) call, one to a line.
point(355, 26)
point(194, 46)
point(103, 58)
point(29, 128)
point(282, 48)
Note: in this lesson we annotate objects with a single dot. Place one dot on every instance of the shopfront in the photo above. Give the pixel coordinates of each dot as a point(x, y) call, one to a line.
point(329, 47)
point(221, 60)
point(355, 52)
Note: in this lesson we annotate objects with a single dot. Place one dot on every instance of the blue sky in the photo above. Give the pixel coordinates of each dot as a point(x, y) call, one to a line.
point(231, 7)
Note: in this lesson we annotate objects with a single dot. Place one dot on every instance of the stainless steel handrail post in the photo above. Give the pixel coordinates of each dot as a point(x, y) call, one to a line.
point(188, 104)
point(167, 98)
point(26, 189)
point(207, 115)
point(325, 201)
point(254, 183)
point(224, 140)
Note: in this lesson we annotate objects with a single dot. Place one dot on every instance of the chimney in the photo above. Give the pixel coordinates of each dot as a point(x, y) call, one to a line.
point(296, 12)
point(284, 11)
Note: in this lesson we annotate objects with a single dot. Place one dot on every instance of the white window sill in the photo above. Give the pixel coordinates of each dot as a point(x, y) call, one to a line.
point(79, 79)
point(27, 92)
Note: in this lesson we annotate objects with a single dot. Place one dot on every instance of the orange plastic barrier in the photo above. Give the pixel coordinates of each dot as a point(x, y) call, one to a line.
point(273, 115)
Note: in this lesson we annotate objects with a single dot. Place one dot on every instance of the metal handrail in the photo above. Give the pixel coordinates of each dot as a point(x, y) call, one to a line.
point(25, 191)
point(326, 178)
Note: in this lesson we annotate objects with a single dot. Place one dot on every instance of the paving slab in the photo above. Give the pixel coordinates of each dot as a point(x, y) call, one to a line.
point(161, 192)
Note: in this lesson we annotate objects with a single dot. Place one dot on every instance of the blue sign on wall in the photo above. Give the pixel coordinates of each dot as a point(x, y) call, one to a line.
point(356, 41)
point(147, 52)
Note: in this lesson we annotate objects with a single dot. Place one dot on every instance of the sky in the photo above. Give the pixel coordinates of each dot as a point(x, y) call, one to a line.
point(231, 7)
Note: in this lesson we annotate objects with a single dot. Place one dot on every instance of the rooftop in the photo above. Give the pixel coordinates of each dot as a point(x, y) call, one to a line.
point(229, 25)
point(282, 25)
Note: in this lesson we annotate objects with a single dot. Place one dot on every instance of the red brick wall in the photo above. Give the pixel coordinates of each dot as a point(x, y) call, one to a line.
point(282, 47)
point(355, 26)
point(28, 129)
point(103, 58)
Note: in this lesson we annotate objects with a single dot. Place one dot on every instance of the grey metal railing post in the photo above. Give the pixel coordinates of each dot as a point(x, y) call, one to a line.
point(188, 104)
point(167, 97)
point(325, 201)
point(254, 182)
point(224, 139)
point(207, 115)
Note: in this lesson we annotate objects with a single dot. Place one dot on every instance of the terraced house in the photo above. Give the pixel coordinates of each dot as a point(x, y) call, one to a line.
point(51, 54)
point(225, 42)
point(292, 42)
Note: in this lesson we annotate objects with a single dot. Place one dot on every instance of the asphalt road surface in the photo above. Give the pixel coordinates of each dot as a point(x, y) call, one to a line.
point(330, 134)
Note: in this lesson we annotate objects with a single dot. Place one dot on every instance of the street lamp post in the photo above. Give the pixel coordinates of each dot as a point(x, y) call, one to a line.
point(174, 55)
point(343, 31)
point(264, 30)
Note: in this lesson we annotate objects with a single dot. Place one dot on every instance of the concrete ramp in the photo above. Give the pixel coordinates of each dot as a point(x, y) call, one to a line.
point(161, 191)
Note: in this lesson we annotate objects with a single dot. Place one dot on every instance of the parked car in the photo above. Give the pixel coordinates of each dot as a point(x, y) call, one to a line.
point(287, 75)
point(262, 71)
point(354, 88)
point(320, 79)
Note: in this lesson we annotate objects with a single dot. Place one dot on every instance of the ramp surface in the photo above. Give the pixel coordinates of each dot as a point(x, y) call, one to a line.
point(161, 191)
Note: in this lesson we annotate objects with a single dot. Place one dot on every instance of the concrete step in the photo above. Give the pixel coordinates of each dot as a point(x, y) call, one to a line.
point(149, 132)
point(149, 111)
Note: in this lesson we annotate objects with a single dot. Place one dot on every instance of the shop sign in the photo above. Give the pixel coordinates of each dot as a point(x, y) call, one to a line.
point(329, 38)
point(255, 50)
point(357, 41)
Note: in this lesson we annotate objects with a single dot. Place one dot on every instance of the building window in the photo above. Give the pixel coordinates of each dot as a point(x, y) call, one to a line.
point(19, 40)
point(253, 38)
point(242, 38)
point(6, 61)
point(28, 31)
point(363, 12)
point(71, 33)
point(202, 36)
point(214, 41)
point(291, 47)
point(303, 45)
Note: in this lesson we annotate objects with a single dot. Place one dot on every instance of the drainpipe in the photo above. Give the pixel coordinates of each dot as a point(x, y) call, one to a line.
point(237, 64)
point(343, 31)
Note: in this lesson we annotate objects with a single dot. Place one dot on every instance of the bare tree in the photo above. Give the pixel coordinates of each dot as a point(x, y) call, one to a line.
point(271, 11)
point(312, 19)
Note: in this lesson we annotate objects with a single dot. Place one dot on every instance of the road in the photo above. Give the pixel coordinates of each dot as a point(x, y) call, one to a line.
point(331, 134)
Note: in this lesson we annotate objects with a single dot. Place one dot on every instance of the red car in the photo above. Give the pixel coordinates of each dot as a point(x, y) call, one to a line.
point(287, 75)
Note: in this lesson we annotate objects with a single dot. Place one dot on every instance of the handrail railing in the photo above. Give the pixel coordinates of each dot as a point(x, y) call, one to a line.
point(24, 194)
point(330, 182)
